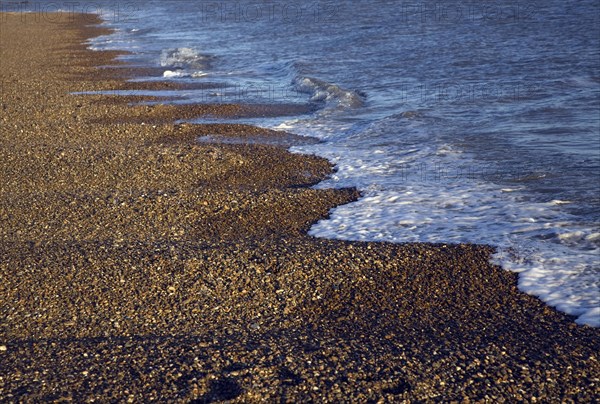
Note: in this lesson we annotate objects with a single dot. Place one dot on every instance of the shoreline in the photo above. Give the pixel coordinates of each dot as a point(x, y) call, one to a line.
point(142, 264)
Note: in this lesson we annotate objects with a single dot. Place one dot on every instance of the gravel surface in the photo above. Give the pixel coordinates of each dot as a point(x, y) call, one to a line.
point(139, 264)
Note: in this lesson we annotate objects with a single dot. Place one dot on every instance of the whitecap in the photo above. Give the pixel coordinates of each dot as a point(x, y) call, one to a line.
point(175, 73)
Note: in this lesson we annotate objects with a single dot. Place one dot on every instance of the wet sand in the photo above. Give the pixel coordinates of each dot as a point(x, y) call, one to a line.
point(139, 264)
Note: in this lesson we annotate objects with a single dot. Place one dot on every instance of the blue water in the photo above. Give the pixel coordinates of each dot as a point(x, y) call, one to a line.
point(461, 121)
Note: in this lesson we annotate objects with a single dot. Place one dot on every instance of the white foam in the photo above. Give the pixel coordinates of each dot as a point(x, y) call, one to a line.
point(591, 317)
point(593, 237)
point(416, 191)
point(559, 202)
point(561, 275)
point(176, 73)
point(183, 73)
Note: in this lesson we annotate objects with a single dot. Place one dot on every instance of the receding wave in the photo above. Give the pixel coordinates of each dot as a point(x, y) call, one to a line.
point(331, 94)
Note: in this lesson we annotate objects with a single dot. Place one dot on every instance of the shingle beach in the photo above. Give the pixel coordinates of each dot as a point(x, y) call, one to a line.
point(139, 264)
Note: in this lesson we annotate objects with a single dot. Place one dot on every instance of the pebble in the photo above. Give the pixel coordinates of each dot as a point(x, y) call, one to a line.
point(145, 204)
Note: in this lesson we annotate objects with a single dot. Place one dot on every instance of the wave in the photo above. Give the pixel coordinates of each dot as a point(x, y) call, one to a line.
point(423, 188)
point(185, 58)
point(332, 95)
point(177, 73)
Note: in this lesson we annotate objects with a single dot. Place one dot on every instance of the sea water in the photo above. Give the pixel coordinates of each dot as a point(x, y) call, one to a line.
point(460, 121)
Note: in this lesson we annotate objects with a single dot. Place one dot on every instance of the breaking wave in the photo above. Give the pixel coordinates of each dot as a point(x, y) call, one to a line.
point(185, 58)
point(334, 96)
